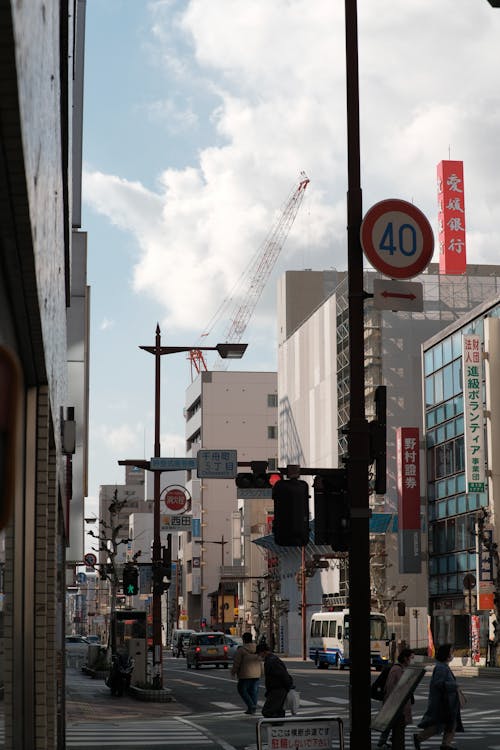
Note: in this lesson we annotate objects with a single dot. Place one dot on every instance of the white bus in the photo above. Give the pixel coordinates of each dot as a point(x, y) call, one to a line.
point(329, 639)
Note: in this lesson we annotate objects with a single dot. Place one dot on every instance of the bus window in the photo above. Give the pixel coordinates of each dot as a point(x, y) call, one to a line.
point(339, 633)
point(378, 628)
point(324, 629)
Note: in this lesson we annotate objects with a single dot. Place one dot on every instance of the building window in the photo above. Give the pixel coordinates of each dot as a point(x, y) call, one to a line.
point(272, 399)
point(272, 432)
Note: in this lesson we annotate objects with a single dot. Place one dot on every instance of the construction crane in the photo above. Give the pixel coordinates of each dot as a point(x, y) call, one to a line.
point(254, 277)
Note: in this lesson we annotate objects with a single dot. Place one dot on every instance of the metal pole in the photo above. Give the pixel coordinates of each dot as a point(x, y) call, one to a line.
point(470, 624)
point(358, 430)
point(222, 543)
point(157, 645)
point(304, 604)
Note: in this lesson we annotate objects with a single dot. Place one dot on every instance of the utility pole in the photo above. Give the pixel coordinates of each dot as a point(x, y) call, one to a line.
point(358, 434)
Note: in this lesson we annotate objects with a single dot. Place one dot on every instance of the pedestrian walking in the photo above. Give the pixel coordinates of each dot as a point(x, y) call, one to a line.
point(404, 717)
point(443, 708)
point(247, 667)
point(278, 682)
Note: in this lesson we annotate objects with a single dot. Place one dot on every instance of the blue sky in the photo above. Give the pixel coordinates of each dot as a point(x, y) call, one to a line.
point(199, 116)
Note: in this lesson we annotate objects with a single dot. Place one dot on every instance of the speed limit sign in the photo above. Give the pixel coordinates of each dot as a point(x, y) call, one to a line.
point(397, 239)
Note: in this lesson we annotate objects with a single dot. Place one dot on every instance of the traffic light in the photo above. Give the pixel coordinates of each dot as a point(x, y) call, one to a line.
point(130, 580)
point(258, 478)
point(160, 572)
point(167, 557)
point(378, 440)
point(401, 609)
point(331, 510)
point(291, 512)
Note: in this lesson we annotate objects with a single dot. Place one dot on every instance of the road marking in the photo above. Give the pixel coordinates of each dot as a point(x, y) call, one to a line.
point(229, 706)
point(331, 699)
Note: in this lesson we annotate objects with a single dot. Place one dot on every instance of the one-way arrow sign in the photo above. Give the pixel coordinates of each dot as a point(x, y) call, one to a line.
point(406, 296)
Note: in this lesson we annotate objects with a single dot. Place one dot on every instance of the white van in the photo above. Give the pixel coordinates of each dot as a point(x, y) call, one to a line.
point(178, 642)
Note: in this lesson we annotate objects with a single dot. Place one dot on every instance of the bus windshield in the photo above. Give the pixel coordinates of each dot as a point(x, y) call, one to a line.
point(378, 628)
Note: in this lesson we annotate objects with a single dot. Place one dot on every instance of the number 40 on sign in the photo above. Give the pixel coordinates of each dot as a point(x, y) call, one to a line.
point(397, 239)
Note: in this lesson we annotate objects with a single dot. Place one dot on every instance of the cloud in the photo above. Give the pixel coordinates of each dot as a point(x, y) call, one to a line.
point(274, 74)
point(106, 324)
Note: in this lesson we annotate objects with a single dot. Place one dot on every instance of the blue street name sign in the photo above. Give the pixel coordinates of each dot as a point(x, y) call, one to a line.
point(173, 464)
point(250, 493)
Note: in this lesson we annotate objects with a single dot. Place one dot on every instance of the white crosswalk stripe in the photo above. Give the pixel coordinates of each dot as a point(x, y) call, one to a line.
point(164, 732)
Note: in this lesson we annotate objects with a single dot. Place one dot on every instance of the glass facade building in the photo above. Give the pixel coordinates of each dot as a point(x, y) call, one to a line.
point(451, 511)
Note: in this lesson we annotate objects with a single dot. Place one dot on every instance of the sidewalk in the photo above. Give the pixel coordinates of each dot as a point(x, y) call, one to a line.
point(89, 699)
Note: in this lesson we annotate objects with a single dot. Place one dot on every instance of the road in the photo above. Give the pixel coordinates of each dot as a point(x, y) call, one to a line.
point(208, 713)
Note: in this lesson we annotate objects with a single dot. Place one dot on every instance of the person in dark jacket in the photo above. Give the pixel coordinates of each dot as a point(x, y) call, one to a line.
point(278, 682)
point(443, 708)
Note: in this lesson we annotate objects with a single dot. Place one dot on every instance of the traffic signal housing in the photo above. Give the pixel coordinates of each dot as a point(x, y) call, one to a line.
point(130, 580)
point(258, 478)
point(291, 512)
point(160, 572)
point(331, 510)
point(378, 440)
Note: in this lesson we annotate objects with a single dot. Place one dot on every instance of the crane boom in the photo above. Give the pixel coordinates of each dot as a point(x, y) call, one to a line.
point(254, 277)
point(260, 269)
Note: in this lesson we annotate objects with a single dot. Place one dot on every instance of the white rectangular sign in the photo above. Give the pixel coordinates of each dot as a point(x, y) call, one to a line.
point(217, 464)
point(175, 522)
point(472, 365)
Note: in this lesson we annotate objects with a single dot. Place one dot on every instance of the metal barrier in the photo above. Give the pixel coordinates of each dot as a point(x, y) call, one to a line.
point(300, 733)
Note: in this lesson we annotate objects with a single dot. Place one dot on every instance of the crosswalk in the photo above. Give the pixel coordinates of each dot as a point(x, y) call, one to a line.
point(161, 732)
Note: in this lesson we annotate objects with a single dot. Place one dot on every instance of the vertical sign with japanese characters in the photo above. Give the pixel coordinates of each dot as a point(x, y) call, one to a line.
point(407, 441)
point(473, 413)
point(451, 217)
point(409, 534)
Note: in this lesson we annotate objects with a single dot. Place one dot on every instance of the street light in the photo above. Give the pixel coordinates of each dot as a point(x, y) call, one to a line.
point(226, 351)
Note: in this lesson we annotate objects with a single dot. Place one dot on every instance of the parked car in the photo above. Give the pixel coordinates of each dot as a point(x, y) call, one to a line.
point(76, 644)
point(234, 642)
point(207, 648)
point(93, 640)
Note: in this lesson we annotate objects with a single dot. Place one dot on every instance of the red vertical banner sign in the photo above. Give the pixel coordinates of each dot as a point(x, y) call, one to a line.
point(407, 446)
point(451, 217)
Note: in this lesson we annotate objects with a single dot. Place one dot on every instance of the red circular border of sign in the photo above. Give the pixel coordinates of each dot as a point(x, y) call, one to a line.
point(176, 492)
point(373, 214)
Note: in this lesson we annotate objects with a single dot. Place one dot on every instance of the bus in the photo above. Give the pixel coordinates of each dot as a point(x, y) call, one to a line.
point(329, 639)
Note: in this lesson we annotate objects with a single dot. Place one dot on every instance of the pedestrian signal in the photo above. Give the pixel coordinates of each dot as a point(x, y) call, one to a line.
point(130, 580)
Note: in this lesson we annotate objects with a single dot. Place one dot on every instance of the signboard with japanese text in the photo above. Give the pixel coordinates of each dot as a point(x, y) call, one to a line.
point(484, 571)
point(473, 413)
point(175, 523)
point(409, 534)
point(451, 217)
point(408, 454)
point(300, 733)
point(217, 464)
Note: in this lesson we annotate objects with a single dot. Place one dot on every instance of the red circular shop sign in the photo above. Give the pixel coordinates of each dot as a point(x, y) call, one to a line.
point(176, 498)
point(397, 239)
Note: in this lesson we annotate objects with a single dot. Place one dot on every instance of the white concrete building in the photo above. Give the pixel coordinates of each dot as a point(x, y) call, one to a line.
point(225, 410)
point(313, 369)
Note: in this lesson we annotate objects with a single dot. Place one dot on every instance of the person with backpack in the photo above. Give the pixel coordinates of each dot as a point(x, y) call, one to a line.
point(247, 667)
point(393, 675)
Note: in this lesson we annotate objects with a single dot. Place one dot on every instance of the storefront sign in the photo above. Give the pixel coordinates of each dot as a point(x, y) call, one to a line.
point(473, 413)
point(451, 217)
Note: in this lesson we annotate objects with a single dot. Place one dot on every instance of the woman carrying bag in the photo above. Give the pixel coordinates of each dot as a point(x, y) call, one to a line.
point(443, 708)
